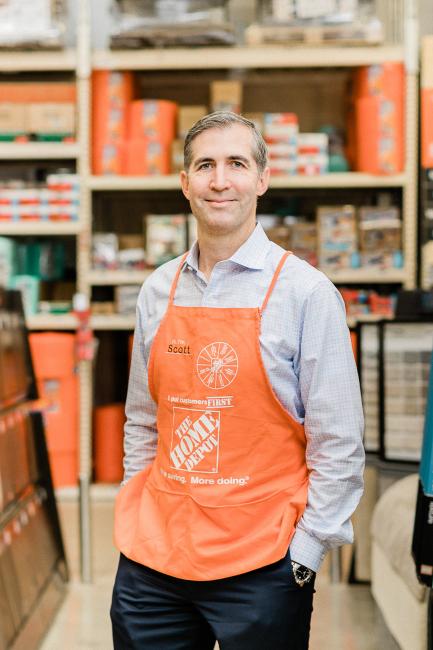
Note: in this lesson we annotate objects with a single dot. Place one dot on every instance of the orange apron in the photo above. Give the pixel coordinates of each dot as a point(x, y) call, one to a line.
point(229, 481)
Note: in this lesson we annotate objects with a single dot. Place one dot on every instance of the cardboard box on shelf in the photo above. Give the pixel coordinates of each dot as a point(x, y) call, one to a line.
point(105, 308)
point(257, 119)
point(177, 155)
point(379, 229)
point(25, 92)
point(111, 93)
point(187, 116)
point(145, 157)
point(382, 260)
point(51, 118)
point(303, 241)
point(226, 95)
point(126, 298)
point(153, 119)
point(130, 241)
point(165, 237)
point(337, 236)
point(13, 117)
point(279, 234)
point(312, 143)
point(280, 127)
point(426, 127)
point(108, 157)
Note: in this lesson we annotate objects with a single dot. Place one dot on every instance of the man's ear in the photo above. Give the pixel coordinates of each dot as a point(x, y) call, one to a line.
point(184, 183)
point(263, 182)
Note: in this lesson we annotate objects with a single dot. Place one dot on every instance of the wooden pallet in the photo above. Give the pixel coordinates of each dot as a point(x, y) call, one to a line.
point(351, 34)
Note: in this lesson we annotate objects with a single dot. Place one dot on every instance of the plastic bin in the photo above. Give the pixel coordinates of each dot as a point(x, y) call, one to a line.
point(54, 363)
point(108, 440)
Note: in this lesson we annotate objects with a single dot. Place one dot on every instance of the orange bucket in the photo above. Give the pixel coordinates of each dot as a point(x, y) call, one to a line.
point(109, 421)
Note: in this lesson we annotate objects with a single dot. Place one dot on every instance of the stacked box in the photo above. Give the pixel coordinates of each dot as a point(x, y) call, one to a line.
point(165, 237)
point(380, 237)
point(303, 241)
point(407, 350)
point(226, 95)
point(370, 385)
point(111, 94)
point(313, 155)
point(337, 237)
point(58, 201)
point(126, 298)
point(280, 131)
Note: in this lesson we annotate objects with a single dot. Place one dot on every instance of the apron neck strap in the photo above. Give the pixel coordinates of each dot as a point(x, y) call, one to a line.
point(176, 278)
point(274, 280)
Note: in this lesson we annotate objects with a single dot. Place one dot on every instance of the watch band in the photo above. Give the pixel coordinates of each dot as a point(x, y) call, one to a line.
point(301, 573)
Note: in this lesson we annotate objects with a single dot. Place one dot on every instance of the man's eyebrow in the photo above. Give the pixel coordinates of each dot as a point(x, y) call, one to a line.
point(206, 159)
point(199, 161)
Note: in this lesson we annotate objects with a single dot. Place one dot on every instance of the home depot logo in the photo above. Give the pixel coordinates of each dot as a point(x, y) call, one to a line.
point(195, 440)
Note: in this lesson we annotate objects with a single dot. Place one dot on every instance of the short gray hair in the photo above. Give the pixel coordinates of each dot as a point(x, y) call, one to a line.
point(223, 120)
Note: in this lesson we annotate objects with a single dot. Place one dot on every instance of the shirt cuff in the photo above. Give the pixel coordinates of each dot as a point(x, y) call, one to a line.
point(307, 550)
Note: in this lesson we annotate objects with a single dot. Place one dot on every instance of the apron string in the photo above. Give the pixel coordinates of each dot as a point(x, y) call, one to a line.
point(176, 278)
point(274, 280)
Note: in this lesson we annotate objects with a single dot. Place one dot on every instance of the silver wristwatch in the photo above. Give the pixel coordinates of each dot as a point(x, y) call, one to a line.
point(301, 573)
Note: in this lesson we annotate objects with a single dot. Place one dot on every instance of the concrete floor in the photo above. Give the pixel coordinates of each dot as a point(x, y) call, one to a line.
point(345, 617)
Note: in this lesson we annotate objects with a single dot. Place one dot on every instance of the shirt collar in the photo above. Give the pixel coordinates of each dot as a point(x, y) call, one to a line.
point(251, 254)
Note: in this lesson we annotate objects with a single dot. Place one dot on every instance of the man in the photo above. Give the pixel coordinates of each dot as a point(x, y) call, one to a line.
point(243, 450)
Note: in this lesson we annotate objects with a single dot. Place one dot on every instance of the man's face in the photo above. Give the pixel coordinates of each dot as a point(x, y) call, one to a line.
point(223, 182)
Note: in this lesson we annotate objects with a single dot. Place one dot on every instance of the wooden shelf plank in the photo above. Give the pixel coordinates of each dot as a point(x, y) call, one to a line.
point(38, 150)
point(51, 322)
point(106, 278)
point(171, 182)
point(244, 57)
point(44, 61)
point(25, 228)
point(366, 276)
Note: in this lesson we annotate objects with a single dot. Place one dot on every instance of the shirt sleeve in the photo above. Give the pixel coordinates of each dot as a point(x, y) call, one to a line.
point(334, 424)
point(141, 436)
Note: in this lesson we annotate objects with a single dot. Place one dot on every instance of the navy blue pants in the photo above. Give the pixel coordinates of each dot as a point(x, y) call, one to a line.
point(261, 610)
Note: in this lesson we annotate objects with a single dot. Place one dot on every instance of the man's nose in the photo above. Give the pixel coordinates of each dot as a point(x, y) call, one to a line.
point(220, 179)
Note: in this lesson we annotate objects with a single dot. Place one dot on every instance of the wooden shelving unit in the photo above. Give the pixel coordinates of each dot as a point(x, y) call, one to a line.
point(39, 151)
point(80, 62)
point(171, 182)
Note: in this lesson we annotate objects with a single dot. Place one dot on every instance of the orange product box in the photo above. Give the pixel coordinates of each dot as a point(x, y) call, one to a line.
point(24, 92)
point(426, 127)
point(53, 357)
point(111, 93)
point(379, 135)
point(13, 117)
point(145, 157)
point(381, 79)
point(152, 118)
point(51, 117)
point(107, 158)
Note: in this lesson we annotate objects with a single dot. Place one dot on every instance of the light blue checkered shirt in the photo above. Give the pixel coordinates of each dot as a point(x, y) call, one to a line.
point(307, 354)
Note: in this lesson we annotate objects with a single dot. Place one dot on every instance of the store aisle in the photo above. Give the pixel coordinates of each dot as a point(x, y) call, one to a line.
point(344, 617)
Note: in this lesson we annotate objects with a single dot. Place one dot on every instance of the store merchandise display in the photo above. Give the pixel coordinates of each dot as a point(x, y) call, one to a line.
point(324, 21)
point(166, 237)
point(342, 237)
point(369, 363)
point(163, 23)
point(44, 112)
point(406, 366)
point(376, 133)
point(56, 199)
point(32, 563)
point(145, 136)
point(111, 251)
point(125, 299)
point(54, 362)
point(32, 23)
point(366, 302)
point(108, 422)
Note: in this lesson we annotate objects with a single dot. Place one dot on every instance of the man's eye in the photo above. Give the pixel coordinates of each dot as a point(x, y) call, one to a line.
point(237, 163)
point(206, 165)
